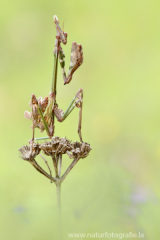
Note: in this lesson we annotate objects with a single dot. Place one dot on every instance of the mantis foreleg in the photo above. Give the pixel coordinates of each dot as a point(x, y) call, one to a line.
point(76, 53)
point(75, 61)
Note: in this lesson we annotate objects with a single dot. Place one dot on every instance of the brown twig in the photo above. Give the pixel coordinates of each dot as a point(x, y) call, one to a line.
point(47, 165)
point(60, 165)
point(55, 164)
point(69, 169)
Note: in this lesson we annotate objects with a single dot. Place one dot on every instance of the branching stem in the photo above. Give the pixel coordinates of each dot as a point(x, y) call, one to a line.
point(69, 169)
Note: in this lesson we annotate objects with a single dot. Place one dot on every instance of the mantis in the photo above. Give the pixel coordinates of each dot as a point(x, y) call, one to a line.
point(45, 110)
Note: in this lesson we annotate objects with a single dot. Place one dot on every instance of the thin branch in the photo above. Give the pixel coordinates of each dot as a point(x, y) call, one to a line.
point(60, 164)
point(69, 169)
point(57, 158)
point(55, 164)
point(58, 186)
point(39, 169)
point(46, 164)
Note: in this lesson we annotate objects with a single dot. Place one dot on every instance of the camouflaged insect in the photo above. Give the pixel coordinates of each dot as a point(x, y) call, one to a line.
point(45, 110)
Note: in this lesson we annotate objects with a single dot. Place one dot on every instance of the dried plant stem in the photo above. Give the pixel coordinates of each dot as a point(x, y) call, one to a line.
point(39, 169)
point(60, 165)
point(46, 164)
point(55, 165)
point(69, 169)
point(58, 186)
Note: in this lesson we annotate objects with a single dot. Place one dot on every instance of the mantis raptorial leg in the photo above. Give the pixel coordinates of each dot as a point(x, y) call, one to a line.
point(76, 53)
point(75, 61)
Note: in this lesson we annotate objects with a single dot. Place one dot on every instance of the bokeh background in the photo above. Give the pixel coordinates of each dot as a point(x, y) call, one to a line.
point(116, 188)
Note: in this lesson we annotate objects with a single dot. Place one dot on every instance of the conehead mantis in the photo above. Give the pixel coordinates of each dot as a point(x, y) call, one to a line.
point(45, 110)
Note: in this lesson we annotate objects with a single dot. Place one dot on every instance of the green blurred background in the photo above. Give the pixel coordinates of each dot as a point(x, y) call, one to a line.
point(116, 189)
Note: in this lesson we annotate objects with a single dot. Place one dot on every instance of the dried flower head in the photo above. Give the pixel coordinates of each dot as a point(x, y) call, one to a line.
point(56, 146)
point(63, 145)
point(80, 150)
point(27, 153)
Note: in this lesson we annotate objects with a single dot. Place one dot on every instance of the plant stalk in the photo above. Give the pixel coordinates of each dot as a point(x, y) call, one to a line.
point(69, 169)
point(58, 188)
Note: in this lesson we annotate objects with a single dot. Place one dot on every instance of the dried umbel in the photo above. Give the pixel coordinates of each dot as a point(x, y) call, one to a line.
point(63, 145)
point(55, 148)
point(29, 153)
point(80, 150)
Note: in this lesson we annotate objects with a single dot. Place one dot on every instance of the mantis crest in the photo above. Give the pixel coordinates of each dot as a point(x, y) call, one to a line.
point(45, 110)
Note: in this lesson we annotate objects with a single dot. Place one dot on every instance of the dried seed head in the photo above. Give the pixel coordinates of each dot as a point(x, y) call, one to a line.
point(63, 145)
point(27, 154)
point(80, 150)
point(56, 146)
